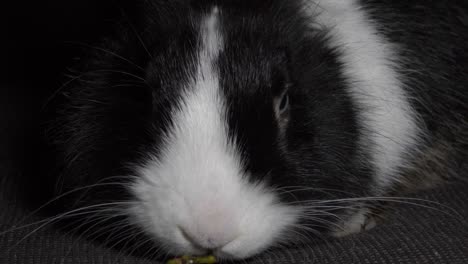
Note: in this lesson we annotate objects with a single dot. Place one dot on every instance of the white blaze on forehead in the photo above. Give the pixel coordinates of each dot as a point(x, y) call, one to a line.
point(199, 144)
point(198, 155)
point(211, 39)
point(197, 183)
point(388, 122)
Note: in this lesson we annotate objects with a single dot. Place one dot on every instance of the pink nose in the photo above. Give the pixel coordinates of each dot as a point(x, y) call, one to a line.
point(208, 240)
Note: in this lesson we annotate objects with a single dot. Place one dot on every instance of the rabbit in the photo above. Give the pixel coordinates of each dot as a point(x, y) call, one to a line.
point(229, 127)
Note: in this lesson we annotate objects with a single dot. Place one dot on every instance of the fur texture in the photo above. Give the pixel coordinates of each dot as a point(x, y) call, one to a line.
point(232, 126)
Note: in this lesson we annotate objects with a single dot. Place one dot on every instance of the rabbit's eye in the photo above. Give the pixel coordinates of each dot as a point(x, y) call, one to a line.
point(282, 105)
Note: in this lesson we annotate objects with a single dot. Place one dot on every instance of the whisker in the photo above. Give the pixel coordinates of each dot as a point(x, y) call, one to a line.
point(83, 234)
point(141, 243)
point(98, 219)
point(140, 231)
point(57, 91)
point(400, 200)
point(35, 211)
point(128, 235)
point(71, 213)
point(136, 33)
point(104, 50)
point(307, 188)
point(63, 86)
point(156, 252)
point(124, 73)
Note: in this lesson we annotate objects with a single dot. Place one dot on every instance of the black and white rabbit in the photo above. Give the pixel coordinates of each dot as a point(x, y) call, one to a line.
point(231, 126)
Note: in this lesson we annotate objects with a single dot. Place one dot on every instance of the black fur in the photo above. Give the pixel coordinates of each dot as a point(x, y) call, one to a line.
point(319, 145)
point(117, 106)
point(432, 42)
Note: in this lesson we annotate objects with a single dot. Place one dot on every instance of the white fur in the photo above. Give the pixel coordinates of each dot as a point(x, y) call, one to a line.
point(194, 195)
point(357, 222)
point(388, 123)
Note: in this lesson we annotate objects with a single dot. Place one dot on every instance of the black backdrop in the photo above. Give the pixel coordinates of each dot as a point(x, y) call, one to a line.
point(34, 56)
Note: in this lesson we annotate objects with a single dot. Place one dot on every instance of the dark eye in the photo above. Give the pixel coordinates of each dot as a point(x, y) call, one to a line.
point(281, 104)
point(284, 103)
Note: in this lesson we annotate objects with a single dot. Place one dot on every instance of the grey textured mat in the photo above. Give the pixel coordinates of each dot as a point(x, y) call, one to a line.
point(411, 234)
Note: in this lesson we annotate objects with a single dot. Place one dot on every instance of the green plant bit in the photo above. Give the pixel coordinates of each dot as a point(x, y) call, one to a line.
point(193, 260)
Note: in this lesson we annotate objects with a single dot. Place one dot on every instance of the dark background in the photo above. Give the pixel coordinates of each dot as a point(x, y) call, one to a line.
point(34, 58)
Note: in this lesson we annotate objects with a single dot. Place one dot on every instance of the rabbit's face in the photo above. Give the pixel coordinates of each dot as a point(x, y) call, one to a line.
point(250, 123)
